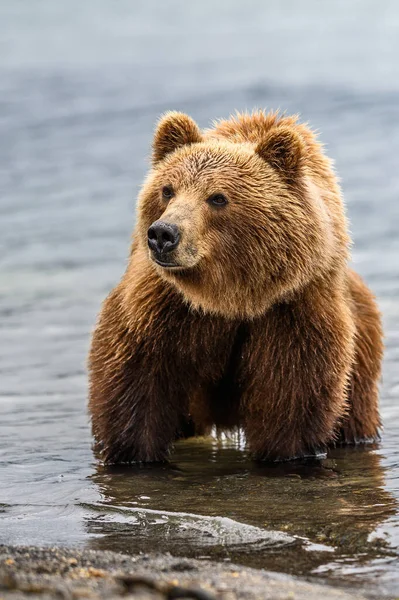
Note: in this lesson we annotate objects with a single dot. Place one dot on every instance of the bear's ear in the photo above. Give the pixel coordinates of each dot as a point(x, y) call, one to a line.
point(284, 150)
point(173, 131)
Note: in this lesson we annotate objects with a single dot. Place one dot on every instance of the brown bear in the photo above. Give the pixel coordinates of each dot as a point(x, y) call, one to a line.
point(237, 308)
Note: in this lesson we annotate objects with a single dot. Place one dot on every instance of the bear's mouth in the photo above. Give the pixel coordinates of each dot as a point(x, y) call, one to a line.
point(167, 264)
point(171, 261)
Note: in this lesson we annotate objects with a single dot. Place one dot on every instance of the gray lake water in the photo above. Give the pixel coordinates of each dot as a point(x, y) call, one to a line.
point(81, 86)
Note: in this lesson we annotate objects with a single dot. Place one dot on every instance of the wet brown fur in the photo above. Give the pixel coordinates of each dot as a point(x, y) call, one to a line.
point(261, 325)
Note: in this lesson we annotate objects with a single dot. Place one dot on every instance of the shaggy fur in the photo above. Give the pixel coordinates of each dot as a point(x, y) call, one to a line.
point(256, 321)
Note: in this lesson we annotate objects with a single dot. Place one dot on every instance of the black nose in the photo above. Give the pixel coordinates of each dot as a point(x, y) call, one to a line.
point(163, 237)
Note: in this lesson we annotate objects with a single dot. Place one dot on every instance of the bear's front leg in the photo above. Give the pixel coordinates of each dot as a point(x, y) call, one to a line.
point(137, 398)
point(294, 373)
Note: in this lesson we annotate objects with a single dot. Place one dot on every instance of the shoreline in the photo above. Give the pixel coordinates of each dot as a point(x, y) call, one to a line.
point(67, 573)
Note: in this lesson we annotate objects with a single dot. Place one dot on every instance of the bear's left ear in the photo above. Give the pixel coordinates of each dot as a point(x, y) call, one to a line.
point(284, 150)
point(174, 130)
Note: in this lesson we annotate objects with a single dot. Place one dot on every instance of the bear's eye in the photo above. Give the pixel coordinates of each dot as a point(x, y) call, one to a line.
point(167, 192)
point(217, 200)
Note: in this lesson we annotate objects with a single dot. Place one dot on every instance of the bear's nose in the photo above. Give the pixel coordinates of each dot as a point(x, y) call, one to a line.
point(163, 237)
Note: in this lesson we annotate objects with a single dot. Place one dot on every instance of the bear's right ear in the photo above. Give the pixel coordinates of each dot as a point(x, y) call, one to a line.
point(173, 131)
point(284, 150)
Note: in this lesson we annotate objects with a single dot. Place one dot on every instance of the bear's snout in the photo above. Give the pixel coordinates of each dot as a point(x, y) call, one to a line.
point(163, 237)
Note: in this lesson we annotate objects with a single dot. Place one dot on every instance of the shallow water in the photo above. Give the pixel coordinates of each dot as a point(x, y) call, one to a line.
point(80, 90)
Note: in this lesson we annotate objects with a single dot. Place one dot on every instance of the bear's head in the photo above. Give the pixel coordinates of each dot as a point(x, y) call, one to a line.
point(235, 226)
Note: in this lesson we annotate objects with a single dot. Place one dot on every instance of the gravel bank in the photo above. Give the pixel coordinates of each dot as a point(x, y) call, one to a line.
point(47, 573)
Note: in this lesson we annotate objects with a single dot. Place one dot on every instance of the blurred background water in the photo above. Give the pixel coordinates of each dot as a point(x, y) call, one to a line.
point(81, 86)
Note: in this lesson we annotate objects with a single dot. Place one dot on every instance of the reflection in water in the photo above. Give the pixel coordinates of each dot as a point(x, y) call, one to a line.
point(328, 509)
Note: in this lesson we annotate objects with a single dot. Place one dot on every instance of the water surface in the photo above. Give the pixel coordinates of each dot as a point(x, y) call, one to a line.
point(81, 87)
